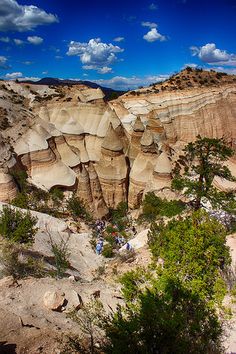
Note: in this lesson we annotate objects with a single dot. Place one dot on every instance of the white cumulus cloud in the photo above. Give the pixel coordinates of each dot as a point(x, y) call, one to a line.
point(105, 70)
point(12, 76)
point(119, 39)
point(149, 24)
point(95, 55)
point(153, 35)
point(16, 17)
point(27, 62)
point(29, 78)
point(212, 55)
point(5, 39)
point(35, 40)
point(190, 65)
point(18, 41)
point(130, 83)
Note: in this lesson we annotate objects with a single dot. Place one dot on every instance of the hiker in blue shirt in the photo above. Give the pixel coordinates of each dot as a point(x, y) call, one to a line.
point(98, 248)
point(128, 246)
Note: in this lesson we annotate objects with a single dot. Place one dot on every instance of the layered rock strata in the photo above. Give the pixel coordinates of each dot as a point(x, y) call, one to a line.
point(171, 120)
point(108, 152)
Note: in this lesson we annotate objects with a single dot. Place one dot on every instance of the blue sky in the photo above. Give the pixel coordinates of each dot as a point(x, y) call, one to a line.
point(119, 44)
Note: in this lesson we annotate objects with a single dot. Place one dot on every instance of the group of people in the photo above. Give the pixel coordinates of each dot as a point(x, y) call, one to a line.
point(99, 226)
point(120, 240)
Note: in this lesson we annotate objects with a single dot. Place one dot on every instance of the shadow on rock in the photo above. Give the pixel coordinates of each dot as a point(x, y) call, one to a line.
point(6, 348)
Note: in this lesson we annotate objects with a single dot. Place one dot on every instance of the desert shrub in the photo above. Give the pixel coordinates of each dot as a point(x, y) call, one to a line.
point(163, 317)
point(77, 208)
point(20, 178)
point(172, 207)
point(119, 216)
point(21, 201)
point(120, 211)
point(204, 159)
point(194, 248)
point(107, 251)
point(189, 69)
point(57, 195)
point(154, 206)
point(110, 229)
point(173, 308)
point(14, 265)
point(88, 319)
point(39, 195)
point(100, 270)
point(61, 256)
point(17, 226)
point(110, 239)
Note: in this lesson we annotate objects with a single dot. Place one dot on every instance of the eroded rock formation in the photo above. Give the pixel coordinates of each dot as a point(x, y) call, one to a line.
point(108, 152)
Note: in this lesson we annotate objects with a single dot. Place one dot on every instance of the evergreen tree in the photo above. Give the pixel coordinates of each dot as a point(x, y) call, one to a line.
point(195, 170)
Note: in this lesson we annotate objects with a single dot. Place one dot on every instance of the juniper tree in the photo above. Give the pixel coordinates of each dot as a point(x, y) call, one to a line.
point(195, 170)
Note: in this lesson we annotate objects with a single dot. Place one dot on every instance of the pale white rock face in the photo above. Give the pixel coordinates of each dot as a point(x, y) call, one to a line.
point(138, 241)
point(224, 185)
point(163, 165)
point(55, 174)
point(147, 138)
point(90, 94)
point(93, 147)
point(112, 141)
point(80, 118)
point(8, 188)
point(68, 157)
point(77, 143)
point(138, 125)
point(33, 140)
point(143, 167)
point(67, 134)
point(44, 221)
point(140, 174)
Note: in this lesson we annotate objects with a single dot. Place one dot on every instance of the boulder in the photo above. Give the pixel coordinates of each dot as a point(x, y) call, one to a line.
point(54, 300)
point(74, 301)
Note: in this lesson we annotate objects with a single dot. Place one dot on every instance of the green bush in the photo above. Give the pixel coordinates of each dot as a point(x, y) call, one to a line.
point(17, 226)
point(57, 195)
point(154, 206)
point(174, 307)
point(194, 248)
point(18, 268)
point(21, 201)
point(172, 208)
point(20, 178)
point(120, 211)
point(61, 257)
point(110, 239)
point(107, 251)
point(77, 208)
point(119, 216)
point(164, 316)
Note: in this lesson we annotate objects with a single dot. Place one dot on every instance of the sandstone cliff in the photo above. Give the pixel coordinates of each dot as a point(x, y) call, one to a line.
point(109, 152)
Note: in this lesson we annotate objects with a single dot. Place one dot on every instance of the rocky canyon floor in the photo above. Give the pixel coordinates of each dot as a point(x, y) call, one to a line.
point(104, 152)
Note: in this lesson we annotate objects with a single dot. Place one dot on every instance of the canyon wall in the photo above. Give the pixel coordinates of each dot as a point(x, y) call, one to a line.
point(108, 152)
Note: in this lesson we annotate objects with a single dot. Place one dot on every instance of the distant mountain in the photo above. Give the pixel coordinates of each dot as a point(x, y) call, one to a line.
point(50, 81)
